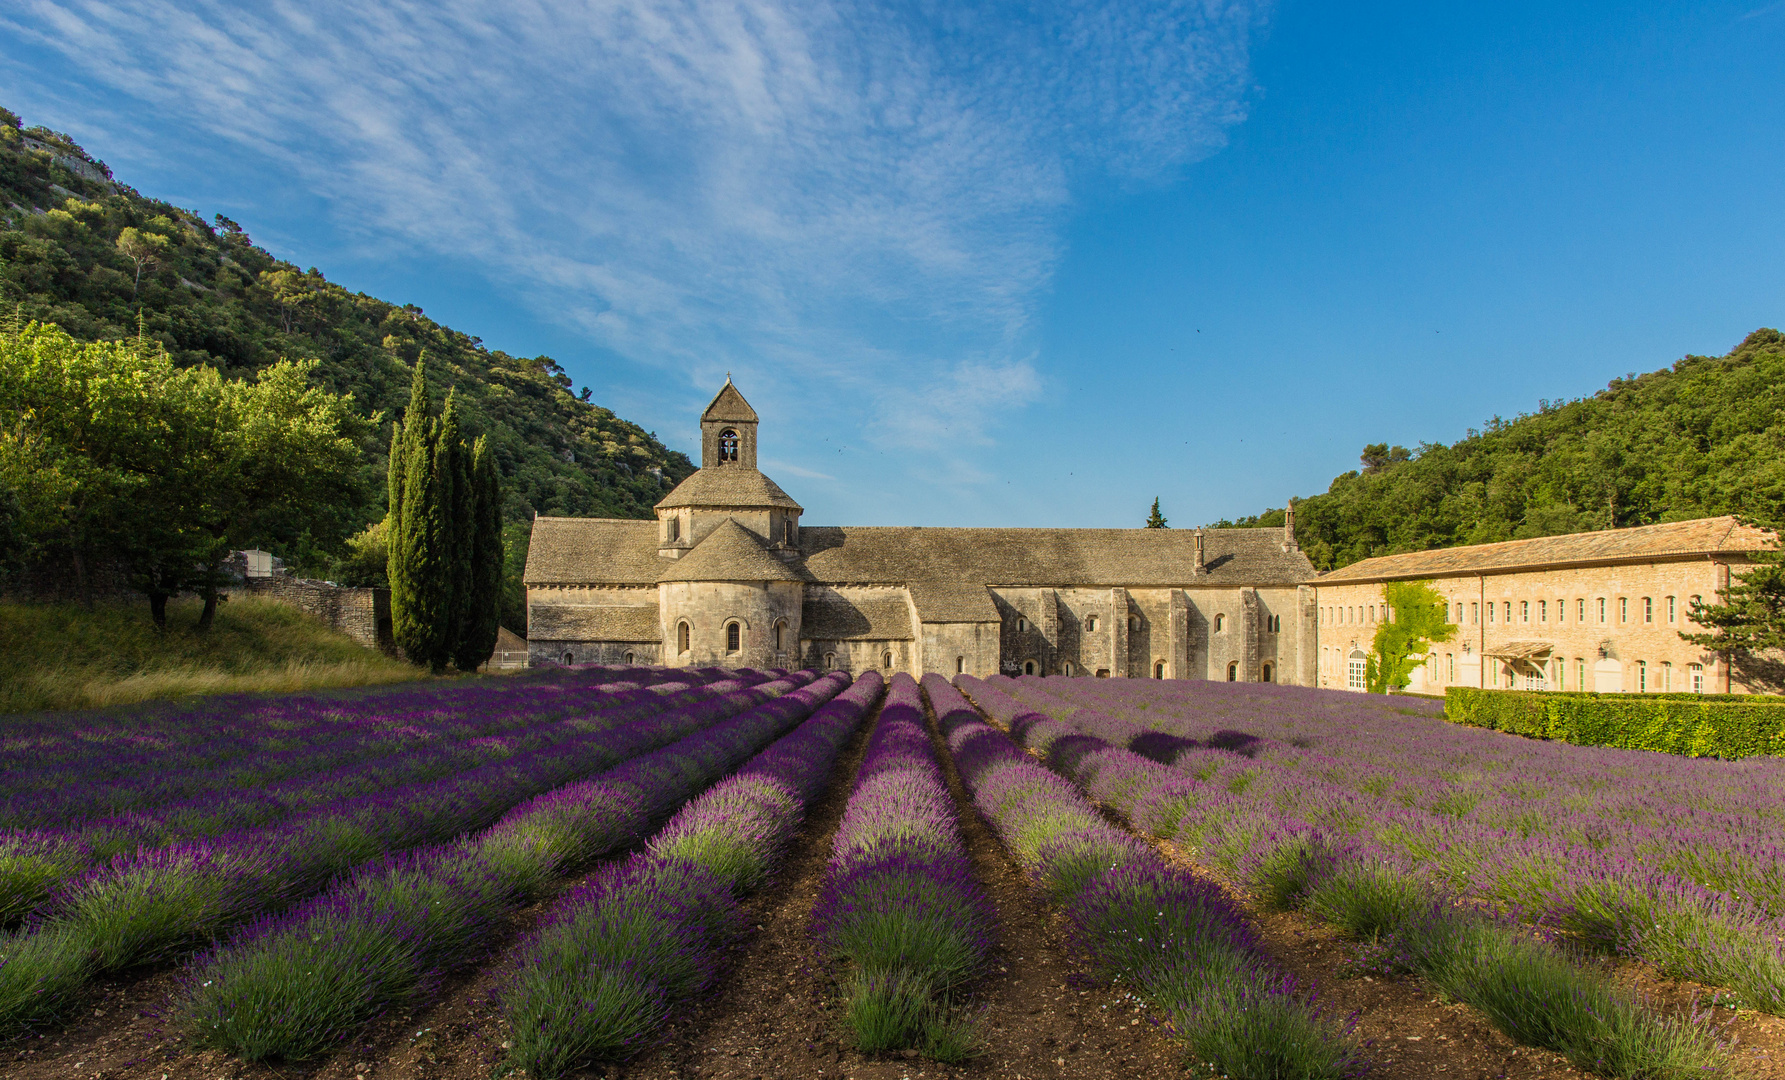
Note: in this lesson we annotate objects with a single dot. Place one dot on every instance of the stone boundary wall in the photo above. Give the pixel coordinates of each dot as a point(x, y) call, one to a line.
point(361, 614)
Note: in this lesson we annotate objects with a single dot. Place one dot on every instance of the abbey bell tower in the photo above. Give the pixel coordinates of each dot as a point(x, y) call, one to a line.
point(728, 431)
point(728, 487)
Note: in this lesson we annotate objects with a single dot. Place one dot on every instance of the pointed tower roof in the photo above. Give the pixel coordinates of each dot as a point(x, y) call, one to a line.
point(729, 553)
point(730, 405)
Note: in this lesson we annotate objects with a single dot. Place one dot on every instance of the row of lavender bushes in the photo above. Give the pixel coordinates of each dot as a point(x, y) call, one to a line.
point(617, 954)
point(900, 913)
point(58, 749)
point(1173, 937)
point(294, 985)
point(1676, 861)
point(157, 904)
point(107, 779)
point(33, 861)
point(1531, 991)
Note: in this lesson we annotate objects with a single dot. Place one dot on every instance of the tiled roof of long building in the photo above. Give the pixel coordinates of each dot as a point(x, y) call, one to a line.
point(596, 551)
point(1642, 543)
point(728, 487)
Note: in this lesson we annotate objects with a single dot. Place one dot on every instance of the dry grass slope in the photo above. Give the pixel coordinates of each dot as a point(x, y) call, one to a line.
point(60, 656)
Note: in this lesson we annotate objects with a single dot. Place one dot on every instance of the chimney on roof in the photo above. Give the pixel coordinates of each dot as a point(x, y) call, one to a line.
point(1199, 560)
point(1289, 543)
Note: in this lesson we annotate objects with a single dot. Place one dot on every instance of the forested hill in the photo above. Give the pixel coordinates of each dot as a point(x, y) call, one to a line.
point(211, 296)
point(1703, 437)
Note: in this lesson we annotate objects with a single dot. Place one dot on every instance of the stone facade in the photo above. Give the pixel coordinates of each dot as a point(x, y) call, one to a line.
point(728, 575)
point(1588, 611)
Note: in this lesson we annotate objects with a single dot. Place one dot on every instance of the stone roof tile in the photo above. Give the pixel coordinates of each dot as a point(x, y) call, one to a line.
point(728, 487)
point(952, 602)
point(728, 553)
point(592, 551)
point(577, 622)
point(1642, 543)
point(728, 404)
point(830, 617)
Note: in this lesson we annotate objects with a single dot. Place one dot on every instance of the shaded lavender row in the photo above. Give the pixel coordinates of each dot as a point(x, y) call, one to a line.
point(158, 903)
point(31, 863)
point(1173, 936)
point(215, 730)
point(1678, 861)
point(618, 954)
point(290, 986)
point(900, 910)
point(108, 780)
point(1532, 993)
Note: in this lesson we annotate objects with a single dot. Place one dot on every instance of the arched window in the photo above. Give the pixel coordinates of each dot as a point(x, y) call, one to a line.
point(1159, 669)
point(728, 445)
point(1233, 671)
point(1264, 673)
point(626, 657)
point(830, 661)
point(780, 635)
point(1642, 676)
point(886, 660)
point(733, 636)
point(1648, 610)
point(1022, 625)
point(1028, 667)
point(569, 658)
point(1221, 625)
point(960, 665)
point(1695, 678)
point(1666, 676)
point(1672, 609)
point(1066, 667)
point(1134, 622)
point(1090, 624)
point(683, 633)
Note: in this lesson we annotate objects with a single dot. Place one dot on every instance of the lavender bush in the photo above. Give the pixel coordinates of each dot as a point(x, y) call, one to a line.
point(1534, 993)
point(901, 913)
point(276, 991)
point(1673, 860)
point(1176, 939)
point(617, 954)
point(155, 904)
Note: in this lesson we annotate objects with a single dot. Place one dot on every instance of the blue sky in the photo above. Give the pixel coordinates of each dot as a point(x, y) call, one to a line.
point(988, 264)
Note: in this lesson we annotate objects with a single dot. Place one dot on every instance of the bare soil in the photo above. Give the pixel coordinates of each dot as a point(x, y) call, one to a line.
point(774, 1016)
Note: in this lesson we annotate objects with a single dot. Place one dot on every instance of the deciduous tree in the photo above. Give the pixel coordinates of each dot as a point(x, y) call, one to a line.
point(1418, 619)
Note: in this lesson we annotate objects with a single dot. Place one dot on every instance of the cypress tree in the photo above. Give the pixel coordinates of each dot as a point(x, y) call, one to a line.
point(479, 637)
point(421, 614)
point(452, 460)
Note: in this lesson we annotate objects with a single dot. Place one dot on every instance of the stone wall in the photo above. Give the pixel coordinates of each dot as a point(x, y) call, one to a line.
point(361, 614)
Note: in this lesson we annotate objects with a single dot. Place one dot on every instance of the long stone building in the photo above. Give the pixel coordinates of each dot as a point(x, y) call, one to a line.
point(729, 575)
point(1599, 611)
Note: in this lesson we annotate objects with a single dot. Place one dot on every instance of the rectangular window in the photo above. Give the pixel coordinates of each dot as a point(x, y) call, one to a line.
point(1543, 611)
point(1666, 676)
point(1648, 610)
point(1602, 611)
point(1508, 613)
point(1524, 611)
point(1580, 610)
point(1452, 658)
point(1695, 677)
point(1623, 609)
point(1671, 612)
point(1580, 674)
point(1490, 614)
point(1642, 676)
point(1475, 614)
point(1355, 675)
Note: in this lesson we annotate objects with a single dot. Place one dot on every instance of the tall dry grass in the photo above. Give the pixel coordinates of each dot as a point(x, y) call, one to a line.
point(61, 656)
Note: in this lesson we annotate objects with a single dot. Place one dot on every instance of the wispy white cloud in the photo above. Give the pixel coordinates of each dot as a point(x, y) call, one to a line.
point(840, 201)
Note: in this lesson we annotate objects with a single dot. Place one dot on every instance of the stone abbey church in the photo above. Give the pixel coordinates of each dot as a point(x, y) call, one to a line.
point(727, 575)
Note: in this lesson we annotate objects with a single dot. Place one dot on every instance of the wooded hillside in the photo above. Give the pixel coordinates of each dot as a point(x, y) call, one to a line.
point(1703, 437)
point(81, 250)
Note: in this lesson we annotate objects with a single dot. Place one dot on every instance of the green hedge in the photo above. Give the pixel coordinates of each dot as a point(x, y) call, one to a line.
point(1695, 725)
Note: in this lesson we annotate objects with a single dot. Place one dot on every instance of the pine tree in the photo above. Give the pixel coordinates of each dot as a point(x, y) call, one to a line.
point(478, 639)
point(1156, 520)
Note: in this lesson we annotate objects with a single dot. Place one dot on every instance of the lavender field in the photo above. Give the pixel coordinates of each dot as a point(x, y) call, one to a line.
point(591, 843)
